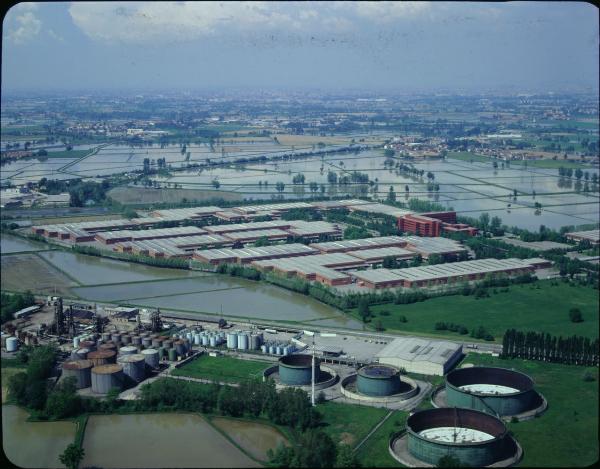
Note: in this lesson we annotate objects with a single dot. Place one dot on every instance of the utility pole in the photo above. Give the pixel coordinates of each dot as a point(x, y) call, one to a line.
point(313, 372)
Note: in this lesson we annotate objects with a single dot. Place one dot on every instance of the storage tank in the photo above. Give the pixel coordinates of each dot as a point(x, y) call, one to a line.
point(286, 350)
point(161, 353)
point(106, 377)
point(102, 357)
point(152, 358)
point(242, 341)
point(213, 341)
point(134, 366)
point(272, 349)
point(297, 369)
point(146, 342)
point(494, 390)
point(172, 355)
point(264, 349)
point(115, 338)
point(474, 438)
point(378, 380)
point(167, 344)
point(278, 350)
point(12, 344)
point(81, 370)
point(180, 347)
point(255, 341)
point(108, 346)
point(232, 340)
point(126, 339)
point(106, 337)
point(88, 344)
point(205, 340)
point(80, 354)
point(75, 342)
point(197, 339)
point(157, 342)
point(136, 340)
point(128, 350)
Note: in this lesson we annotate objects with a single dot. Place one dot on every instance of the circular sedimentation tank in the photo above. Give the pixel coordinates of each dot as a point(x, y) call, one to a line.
point(475, 438)
point(378, 380)
point(498, 391)
point(80, 370)
point(296, 370)
point(102, 357)
point(106, 377)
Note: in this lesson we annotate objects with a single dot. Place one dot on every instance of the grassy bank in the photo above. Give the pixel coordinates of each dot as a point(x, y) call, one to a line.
point(223, 369)
point(541, 306)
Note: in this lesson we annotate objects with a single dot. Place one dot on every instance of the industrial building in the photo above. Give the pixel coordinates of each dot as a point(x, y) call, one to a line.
point(422, 356)
point(358, 244)
point(498, 391)
point(593, 236)
point(475, 438)
point(112, 237)
point(447, 273)
point(248, 255)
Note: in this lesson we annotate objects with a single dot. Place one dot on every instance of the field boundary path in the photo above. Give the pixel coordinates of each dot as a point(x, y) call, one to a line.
point(389, 414)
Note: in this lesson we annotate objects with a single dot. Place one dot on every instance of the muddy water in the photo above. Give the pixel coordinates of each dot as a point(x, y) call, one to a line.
point(158, 440)
point(34, 444)
point(10, 244)
point(256, 439)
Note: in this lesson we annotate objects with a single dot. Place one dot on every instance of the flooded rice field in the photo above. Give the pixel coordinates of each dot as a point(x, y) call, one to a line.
point(167, 440)
point(11, 244)
point(33, 444)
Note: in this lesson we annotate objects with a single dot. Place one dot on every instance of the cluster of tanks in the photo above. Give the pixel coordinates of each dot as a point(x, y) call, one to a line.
point(468, 422)
point(115, 360)
point(10, 343)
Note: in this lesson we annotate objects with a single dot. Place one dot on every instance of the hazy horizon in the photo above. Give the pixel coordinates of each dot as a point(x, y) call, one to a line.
point(364, 47)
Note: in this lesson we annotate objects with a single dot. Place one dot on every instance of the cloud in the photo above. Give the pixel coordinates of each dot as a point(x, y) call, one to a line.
point(385, 12)
point(55, 35)
point(28, 25)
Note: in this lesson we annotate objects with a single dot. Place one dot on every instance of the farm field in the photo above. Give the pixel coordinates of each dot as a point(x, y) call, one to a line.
point(139, 195)
point(222, 369)
point(524, 307)
point(22, 272)
point(567, 433)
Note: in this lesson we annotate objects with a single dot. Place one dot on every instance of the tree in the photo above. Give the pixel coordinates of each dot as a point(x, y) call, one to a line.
point(216, 184)
point(484, 220)
point(363, 310)
point(575, 315)
point(391, 195)
point(72, 456)
point(388, 152)
point(495, 225)
point(262, 241)
point(346, 457)
point(279, 186)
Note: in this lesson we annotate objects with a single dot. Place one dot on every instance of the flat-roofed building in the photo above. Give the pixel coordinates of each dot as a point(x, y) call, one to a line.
point(192, 213)
point(593, 236)
point(257, 225)
point(376, 209)
point(427, 247)
point(112, 237)
point(314, 229)
point(248, 255)
point(271, 208)
point(422, 356)
point(273, 234)
point(357, 244)
point(377, 255)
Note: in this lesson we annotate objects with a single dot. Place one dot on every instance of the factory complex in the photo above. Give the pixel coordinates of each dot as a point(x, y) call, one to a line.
point(593, 236)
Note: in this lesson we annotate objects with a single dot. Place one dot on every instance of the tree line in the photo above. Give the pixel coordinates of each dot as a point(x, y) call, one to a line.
point(540, 346)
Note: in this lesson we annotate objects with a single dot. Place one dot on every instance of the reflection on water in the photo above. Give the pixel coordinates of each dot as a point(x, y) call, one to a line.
point(34, 444)
point(158, 440)
point(10, 244)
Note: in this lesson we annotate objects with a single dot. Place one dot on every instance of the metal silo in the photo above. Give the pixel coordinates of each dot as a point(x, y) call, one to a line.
point(179, 347)
point(172, 355)
point(151, 357)
point(157, 342)
point(255, 341)
point(80, 354)
point(108, 346)
point(80, 370)
point(146, 342)
point(136, 340)
point(242, 341)
point(197, 339)
point(271, 349)
point(75, 342)
point(205, 340)
point(161, 353)
point(264, 349)
point(12, 344)
point(115, 338)
point(286, 350)
point(232, 340)
point(213, 341)
point(134, 366)
point(279, 350)
point(106, 377)
point(102, 357)
point(106, 337)
point(126, 339)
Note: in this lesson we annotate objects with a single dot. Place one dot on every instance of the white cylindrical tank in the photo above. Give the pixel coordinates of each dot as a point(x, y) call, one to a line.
point(12, 344)
point(278, 350)
point(75, 342)
point(232, 340)
point(204, 340)
point(197, 339)
point(242, 341)
point(272, 349)
point(263, 348)
point(213, 341)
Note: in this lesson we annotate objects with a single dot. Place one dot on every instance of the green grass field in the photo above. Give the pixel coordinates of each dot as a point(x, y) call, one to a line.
point(222, 369)
point(374, 453)
point(523, 307)
point(347, 423)
point(566, 434)
point(67, 154)
point(542, 164)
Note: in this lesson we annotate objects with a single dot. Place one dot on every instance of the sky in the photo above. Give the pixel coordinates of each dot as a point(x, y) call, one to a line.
point(371, 46)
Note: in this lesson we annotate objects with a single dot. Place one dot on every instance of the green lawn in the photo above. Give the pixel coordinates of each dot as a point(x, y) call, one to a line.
point(222, 369)
point(67, 154)
point(545, 163)
point(466, 156)
point(524, 307)
point(567, 433)
point(374, 453)
point(347, 423)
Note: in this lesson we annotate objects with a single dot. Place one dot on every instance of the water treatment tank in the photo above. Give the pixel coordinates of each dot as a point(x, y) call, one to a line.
point(152, 357)
point(127, 350)
point(378, 380)
point(232, 340)
point(134, 366)
point(102, 357)
point(81, 370)
point(242, 341)
point(106, 377)
point(12, 344)
point(297, 369)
